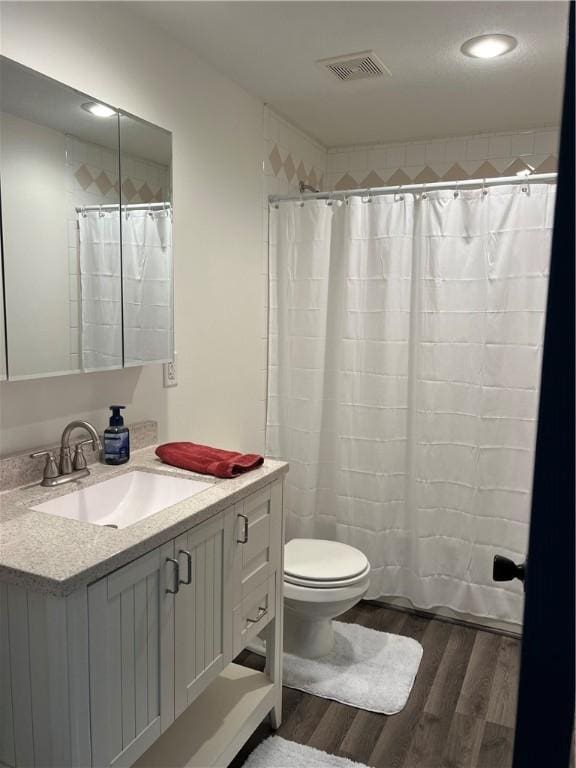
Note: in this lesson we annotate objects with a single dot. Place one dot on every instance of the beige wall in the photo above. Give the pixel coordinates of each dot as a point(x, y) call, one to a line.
point(218, 230)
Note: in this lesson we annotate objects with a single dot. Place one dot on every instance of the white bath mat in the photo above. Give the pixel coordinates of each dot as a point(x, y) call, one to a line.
point(276, 752)
point(366, 669)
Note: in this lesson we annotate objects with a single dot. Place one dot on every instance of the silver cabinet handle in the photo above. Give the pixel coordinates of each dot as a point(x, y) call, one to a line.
point(245, 539)
point(176, 576)
point(261, 613)
point(188, 579)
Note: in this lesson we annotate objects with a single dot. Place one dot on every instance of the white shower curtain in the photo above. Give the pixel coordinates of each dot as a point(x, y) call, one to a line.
point(142, 282)
point(405, 342)
point(147, 267)
point(100, 290)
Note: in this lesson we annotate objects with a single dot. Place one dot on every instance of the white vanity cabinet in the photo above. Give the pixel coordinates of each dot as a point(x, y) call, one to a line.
point(131, 647)
point(136, 668)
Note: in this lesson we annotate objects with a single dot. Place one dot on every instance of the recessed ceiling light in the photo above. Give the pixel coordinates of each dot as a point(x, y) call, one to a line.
point(98, 110)
point(489, 46)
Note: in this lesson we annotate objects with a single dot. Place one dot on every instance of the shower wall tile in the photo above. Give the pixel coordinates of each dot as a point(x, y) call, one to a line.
point(452, 159)
point(522, 144)
point(478, 148)
point(435, 152)
point(415, 154)
point(500, 146)
point(290, 156)
point(545, 142)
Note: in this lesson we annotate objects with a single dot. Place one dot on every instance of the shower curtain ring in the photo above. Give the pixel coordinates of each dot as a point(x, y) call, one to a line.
point(484, 190)
point(456, 190)
point(368, 198)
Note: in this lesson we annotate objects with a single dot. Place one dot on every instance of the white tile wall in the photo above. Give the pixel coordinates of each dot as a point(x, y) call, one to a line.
point(501, 150)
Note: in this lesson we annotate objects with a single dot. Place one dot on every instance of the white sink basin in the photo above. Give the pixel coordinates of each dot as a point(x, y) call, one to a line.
point(123, 500)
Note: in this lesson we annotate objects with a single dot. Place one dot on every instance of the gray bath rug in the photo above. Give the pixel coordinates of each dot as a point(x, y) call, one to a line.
point(276, 752)
point(366, 669)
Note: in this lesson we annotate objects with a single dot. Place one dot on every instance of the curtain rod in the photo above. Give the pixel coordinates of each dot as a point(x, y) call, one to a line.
point(115, 206)
point(436, 185)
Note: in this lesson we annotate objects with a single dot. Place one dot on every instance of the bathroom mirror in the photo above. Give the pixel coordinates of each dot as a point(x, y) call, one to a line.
point(72, 199)
point(147, 282)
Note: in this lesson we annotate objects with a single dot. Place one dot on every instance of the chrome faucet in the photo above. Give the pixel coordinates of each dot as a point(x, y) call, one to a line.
point(69, 468)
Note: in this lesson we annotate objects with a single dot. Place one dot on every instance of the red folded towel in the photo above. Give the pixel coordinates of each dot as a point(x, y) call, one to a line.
point(207, 460)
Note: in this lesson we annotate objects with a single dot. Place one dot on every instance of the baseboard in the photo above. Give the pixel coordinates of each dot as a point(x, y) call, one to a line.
point(508, 629)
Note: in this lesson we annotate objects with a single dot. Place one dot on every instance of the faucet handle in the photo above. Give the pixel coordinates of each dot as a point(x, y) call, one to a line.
point(50, 468)
point(79, 461)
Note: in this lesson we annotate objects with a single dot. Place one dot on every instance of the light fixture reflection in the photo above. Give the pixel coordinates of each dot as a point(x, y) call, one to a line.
point(98, 110)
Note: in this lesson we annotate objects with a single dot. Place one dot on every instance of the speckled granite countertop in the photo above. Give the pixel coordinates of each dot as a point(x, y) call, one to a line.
point(52, 554)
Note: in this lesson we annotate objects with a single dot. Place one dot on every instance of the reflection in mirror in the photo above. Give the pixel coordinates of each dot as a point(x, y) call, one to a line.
point(61, 227)
point(147, 266)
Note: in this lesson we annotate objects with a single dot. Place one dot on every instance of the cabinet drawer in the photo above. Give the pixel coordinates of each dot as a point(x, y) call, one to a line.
point(255, 611)
point(258, 529)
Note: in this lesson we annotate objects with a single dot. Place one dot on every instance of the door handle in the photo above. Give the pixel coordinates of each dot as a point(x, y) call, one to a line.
point(245, 531)
point(505, 569)
point(176, 565)
point(188, 579)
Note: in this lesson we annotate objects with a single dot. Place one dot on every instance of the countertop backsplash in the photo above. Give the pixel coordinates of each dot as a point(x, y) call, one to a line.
point(19, 469)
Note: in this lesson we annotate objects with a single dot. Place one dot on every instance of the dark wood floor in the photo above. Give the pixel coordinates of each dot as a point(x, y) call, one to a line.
point(460, 713)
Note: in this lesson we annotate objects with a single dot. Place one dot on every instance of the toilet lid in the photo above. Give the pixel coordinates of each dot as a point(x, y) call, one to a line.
point(318, 560)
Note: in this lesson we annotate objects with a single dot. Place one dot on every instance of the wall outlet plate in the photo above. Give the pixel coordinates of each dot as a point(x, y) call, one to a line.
point(170, 374)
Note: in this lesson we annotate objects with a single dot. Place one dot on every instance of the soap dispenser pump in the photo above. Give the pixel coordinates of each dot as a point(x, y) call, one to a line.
point(116, 438)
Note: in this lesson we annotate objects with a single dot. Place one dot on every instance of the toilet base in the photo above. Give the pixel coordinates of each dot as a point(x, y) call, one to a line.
point(309, 639)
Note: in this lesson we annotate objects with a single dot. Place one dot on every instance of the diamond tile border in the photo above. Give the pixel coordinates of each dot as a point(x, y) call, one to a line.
point(456, 172)
point(133, 191)
point(312, 176)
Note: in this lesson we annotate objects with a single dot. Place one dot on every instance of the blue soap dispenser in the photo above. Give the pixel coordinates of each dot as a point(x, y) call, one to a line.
point(116, 438)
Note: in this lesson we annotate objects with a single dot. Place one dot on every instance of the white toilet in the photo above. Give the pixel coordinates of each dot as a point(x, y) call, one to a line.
point(322, 579)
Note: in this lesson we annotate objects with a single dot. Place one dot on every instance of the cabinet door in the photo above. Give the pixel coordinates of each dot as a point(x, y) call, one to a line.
point(131, 636)
point(202, 608)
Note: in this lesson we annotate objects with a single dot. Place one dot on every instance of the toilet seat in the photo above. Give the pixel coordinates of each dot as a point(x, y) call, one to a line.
point(318, 584)
point(321, 564)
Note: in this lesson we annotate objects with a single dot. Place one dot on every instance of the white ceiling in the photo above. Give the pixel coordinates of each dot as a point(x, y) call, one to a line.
point(270, 49)
point(41, 100)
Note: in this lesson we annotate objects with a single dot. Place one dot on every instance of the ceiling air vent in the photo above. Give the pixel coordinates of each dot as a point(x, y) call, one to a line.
point(355, 66)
